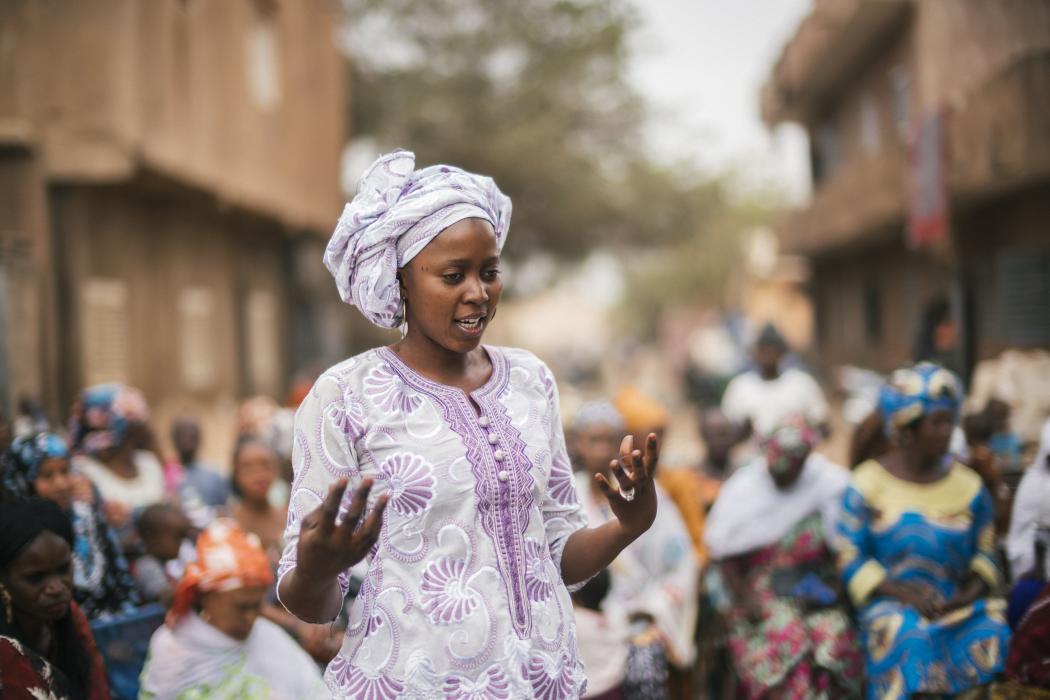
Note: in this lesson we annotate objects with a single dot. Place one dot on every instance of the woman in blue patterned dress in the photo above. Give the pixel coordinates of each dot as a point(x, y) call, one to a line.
point(917, 550)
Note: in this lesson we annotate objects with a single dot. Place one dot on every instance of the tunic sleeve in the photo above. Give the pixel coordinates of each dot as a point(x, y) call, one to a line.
point(983, 538)
point(861, 572)
point(321, 454)
point(560, 506)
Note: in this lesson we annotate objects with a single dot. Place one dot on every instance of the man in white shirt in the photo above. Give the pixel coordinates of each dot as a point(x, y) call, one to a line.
point(761, 398)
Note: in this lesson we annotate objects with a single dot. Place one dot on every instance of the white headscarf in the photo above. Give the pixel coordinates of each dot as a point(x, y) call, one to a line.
point(396, 212)
point(751, 512)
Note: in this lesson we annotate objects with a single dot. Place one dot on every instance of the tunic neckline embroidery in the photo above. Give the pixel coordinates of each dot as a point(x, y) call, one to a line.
point(503, 480)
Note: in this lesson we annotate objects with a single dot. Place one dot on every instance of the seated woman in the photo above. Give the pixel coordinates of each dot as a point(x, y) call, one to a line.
point(106, 420)
point(917, 550)
point(39, 466)
point(654, 580)
point(214, 644)
point(789, 634)
point(46, 647)
point(255, 469)
point(1028, 665)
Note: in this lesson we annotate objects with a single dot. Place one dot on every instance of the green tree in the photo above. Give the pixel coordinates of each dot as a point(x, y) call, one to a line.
point(534, 93)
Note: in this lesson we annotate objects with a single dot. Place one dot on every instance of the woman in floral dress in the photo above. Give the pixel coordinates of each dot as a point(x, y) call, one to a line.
point(790, 635)
point(455, 451)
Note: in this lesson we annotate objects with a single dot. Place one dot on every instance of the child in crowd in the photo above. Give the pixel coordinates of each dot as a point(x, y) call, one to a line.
point(167, 536)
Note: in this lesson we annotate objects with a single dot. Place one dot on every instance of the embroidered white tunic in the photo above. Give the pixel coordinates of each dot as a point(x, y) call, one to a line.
point(463, 596)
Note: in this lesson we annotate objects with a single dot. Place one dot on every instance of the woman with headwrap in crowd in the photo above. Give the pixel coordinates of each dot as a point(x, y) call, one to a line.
point(214, 644)
point(769, 535)
point(106, 425)
point(918, 550)
point(39, 466)
point(473, 528)
point(46, 647)
point(653, 581)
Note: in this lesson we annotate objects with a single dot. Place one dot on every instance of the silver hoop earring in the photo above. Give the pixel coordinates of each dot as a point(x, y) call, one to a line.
point(403, 327)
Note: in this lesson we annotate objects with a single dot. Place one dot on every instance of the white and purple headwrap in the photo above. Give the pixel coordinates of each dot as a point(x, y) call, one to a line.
point(396, 212)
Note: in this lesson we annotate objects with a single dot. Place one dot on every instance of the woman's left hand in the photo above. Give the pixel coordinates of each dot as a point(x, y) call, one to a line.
point(634, 503)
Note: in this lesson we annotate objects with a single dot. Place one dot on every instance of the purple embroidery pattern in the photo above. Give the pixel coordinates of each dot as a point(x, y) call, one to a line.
point(492, 684)
point(560, 484)
point(356, 683)
point(553, 684)
point(537, 579)
point(411, 483)
point(446, 596)
point(390, 393)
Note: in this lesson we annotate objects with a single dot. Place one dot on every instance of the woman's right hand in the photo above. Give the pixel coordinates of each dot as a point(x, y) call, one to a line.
point(327, 549)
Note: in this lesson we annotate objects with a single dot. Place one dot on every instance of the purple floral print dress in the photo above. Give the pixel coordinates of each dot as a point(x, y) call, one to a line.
point(463, 596)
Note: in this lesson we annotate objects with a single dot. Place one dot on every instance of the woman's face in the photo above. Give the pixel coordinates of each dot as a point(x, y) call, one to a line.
point(451, 288)
point(255, 471)
point(233, 612)
point(933, 434)
point(53, 483)
point(40, 579)
point(786, 466)
point(596, 446)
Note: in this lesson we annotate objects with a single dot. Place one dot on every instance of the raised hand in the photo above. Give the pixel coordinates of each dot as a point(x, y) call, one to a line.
point(634, 502)
point(327, 549)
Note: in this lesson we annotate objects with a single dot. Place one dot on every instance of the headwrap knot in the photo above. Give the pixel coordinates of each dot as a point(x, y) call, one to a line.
point(228, 558)
point(396, 212)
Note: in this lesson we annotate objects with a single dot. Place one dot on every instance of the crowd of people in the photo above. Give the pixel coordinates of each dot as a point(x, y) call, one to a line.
point(428, 525)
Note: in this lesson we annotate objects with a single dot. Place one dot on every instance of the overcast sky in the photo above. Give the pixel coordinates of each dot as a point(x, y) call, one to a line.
point(700, 64)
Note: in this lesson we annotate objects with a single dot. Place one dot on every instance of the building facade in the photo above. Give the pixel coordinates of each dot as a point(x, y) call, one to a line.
point(928, 228)
point(168, 173)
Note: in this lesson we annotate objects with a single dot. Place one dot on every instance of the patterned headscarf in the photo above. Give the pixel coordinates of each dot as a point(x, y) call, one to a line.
point(792, 440)
point(21, 462)
point(228, 558)
point(102, 416)
point(913, 392)
point(396, 212)
point(598, 413)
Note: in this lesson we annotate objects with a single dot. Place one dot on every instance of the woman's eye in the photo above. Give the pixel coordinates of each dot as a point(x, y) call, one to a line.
point(453, 277)
point(492, 274)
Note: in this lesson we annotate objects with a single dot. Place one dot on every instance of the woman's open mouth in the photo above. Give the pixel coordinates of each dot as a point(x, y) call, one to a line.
point(472, 325)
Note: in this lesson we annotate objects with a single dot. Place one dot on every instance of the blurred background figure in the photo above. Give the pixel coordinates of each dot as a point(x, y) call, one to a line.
point(1029, 537)
point(214, 643)
point(603, 643)
point(762, 398)
point(168, 537)
point(653, 592)
point(107, 426)
point(39, 465)
point(918, 550)
point(790, 634)
point(254, 471)
point(46, 646)
point(200, 486)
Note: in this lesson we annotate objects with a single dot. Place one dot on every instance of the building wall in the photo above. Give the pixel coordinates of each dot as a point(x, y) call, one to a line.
point(242, 98)
point(869, 304)
point(965, 43)
point(172, 296)
point(1005, 247)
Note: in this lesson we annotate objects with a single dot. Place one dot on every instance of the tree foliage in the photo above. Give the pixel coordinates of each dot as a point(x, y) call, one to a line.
point(534, 93)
